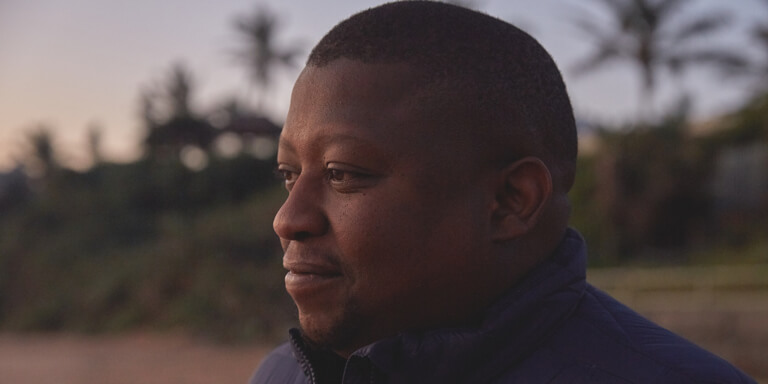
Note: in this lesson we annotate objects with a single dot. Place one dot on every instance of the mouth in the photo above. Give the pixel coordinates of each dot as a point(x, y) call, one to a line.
point(298, 279)
point(304, 268)
point(307, 279)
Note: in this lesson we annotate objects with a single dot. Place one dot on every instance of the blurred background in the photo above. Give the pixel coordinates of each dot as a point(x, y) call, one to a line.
point(137, 143)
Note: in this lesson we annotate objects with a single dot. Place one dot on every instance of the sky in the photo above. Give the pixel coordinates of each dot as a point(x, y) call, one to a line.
point(73, 64)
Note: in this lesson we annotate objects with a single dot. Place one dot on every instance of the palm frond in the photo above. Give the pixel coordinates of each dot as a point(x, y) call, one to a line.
point(700, 26)
point(645, 13)
point(618, 7)
point(666, 8)
point(760, 34)
point(589, 27)
point(726, 62)
point(260, 52)
point(603, 55)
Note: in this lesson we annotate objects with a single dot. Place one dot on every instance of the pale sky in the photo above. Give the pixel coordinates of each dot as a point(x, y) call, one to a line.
point(72, 63)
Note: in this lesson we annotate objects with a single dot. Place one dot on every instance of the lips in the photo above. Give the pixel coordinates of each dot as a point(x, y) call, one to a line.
point(309, 268)
point(309, 278)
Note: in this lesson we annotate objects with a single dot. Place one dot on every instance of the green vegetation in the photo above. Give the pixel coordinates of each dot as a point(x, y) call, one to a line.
point(659, 194)
point(181, 238)
point(147, 245)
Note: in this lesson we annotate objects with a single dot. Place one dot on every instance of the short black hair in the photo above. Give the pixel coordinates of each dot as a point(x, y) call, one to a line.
point(504, 75)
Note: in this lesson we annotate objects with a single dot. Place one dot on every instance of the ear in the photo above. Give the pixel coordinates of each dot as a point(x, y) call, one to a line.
point(524, 189)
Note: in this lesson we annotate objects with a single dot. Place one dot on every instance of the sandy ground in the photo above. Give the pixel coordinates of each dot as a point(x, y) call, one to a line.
point(137, 358)
point(155, 358)
point(152, 358)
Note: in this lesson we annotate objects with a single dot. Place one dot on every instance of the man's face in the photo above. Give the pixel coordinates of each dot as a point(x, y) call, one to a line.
point(385, 227)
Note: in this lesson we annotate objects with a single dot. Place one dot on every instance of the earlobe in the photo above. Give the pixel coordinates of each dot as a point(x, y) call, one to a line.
point(524, 189)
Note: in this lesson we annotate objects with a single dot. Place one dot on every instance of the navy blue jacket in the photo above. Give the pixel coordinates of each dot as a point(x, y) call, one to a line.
point(553, 327)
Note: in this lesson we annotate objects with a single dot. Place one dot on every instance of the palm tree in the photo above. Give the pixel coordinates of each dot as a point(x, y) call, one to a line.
point(170, 118)
point(42, 151)
point(179, 89)
point(259, 52)
point(172, 98)
point(646, 34)
point(94, 143)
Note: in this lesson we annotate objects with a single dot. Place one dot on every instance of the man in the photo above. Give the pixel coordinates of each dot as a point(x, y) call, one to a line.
point(427, 152)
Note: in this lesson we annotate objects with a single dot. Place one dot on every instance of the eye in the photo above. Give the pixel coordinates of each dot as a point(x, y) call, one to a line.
point(287, 174)
point(338, 176)
point(345, 179)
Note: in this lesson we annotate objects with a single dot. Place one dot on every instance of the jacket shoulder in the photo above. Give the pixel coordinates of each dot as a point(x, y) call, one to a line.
point(614, 341)
point(279, 367)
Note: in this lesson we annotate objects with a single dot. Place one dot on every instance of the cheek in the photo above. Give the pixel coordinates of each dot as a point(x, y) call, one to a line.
point(380, 240)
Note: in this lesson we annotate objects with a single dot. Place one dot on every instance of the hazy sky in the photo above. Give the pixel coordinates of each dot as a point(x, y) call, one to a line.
point(69, 64)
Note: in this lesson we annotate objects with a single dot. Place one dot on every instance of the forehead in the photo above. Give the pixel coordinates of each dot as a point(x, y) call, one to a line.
point(371, 83)
point(347, 101)
point(352, 97)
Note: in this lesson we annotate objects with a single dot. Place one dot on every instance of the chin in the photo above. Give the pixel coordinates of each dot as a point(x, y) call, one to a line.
point(337, 332)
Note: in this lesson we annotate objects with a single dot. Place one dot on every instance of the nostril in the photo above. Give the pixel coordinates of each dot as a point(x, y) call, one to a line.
point(299, 236)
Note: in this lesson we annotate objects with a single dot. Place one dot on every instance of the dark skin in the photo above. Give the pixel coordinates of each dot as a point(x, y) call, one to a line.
point(395, 219)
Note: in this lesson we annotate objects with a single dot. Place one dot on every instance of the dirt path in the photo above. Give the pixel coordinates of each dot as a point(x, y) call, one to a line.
point(139, 358)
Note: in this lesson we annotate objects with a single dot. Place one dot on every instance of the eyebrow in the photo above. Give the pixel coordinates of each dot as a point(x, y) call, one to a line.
point(344, 138)
point(328, 140)
point(284, 144)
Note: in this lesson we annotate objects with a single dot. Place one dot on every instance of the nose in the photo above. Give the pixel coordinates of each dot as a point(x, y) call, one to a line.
point(301, 215)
